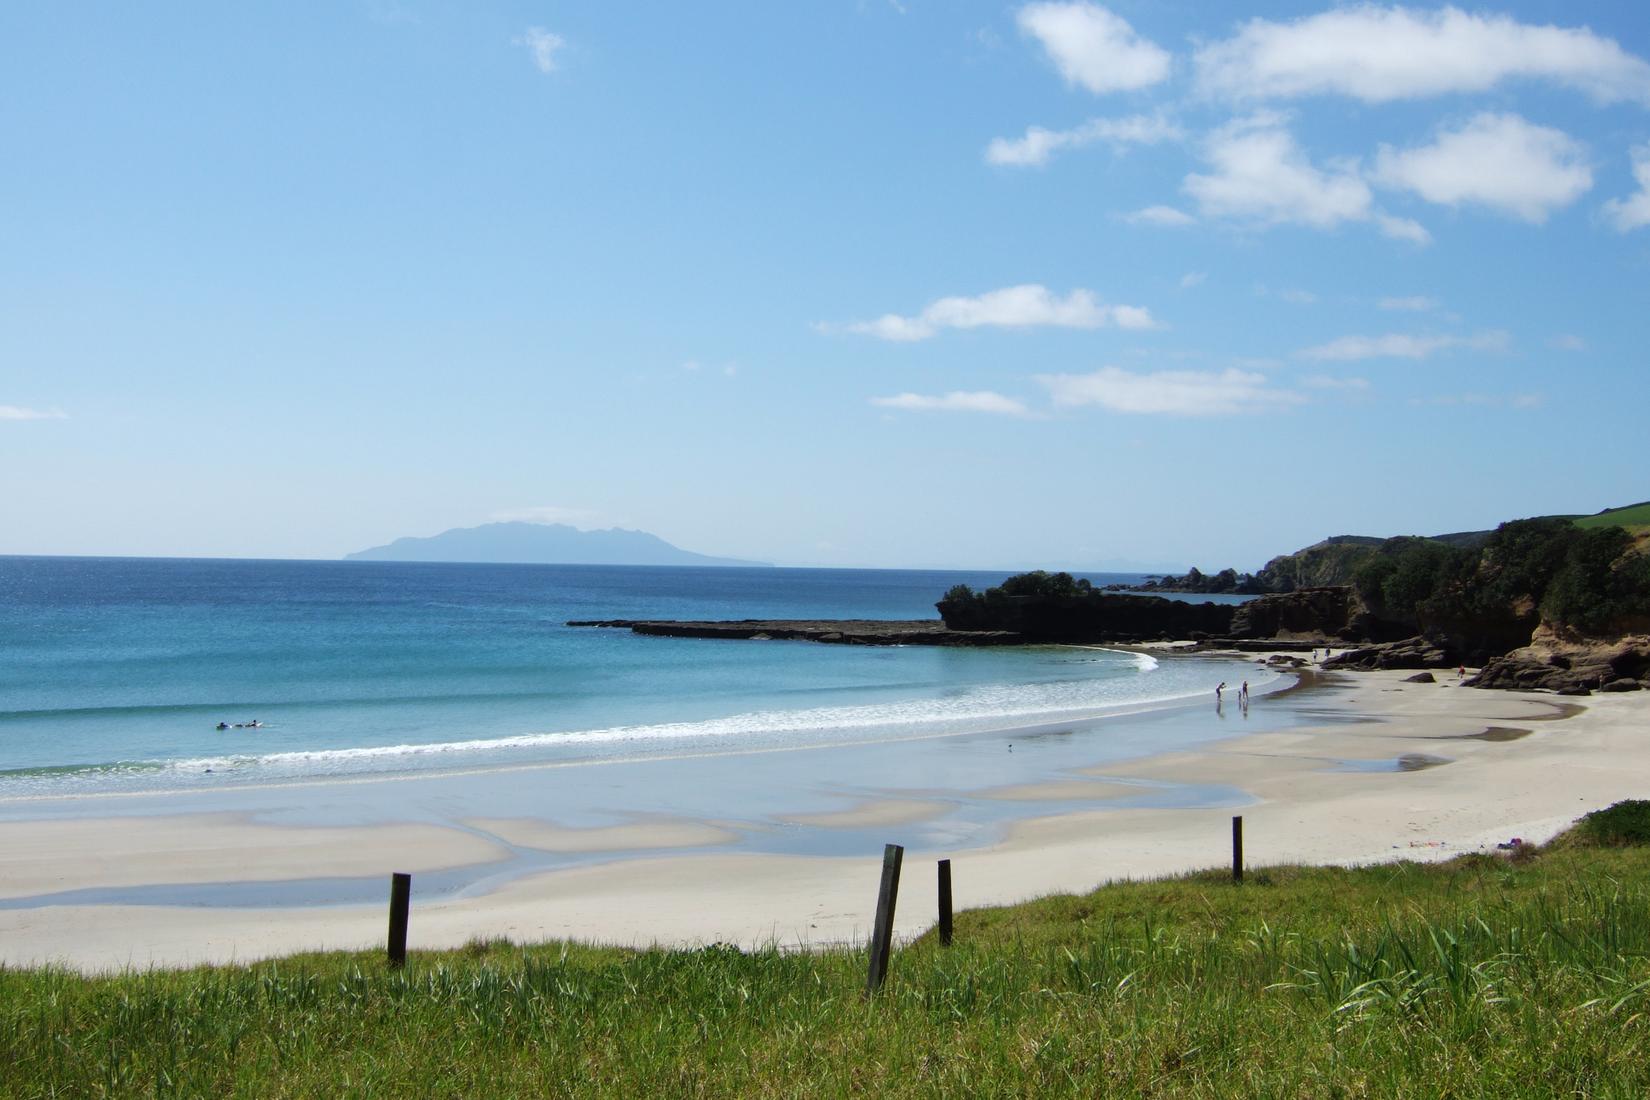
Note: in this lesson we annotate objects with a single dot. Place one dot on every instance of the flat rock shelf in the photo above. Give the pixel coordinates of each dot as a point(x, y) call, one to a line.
point(834, 631)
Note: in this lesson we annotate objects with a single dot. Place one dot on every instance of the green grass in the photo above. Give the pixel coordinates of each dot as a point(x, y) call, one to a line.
point(1634, 517)
point(1482, 977)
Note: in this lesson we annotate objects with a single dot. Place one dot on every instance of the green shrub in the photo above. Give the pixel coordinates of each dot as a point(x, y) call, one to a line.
point(1625, 822)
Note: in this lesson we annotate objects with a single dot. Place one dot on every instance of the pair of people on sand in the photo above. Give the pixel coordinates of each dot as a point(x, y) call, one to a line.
point(1243, 692)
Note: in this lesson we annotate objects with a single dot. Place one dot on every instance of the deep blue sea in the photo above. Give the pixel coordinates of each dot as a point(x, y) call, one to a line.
point(114, 673)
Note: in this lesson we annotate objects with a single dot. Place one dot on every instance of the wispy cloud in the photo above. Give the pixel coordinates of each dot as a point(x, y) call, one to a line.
point(1398, 345)
point(1027, 306)
point(1498, 161)
point(1633, 212)
point(1413, 303)
point(1169, 393)
point(1192, 278)
point(1403, 229)
point(542, 46)
point(1094, 48)
point(694, 366)
point(1038, 144)
point(1567, 341)
point(1483, 400)
point(1166, 216)
point(17, 412)
point(1333, 382)
point(978, 401)
point(1380, 54)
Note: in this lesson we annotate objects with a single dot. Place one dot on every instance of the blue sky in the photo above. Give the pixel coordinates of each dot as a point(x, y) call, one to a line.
point(859, 283)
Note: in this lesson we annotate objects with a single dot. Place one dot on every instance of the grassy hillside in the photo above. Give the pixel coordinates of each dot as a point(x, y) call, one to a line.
point(1634, 517)
point(1482, 977)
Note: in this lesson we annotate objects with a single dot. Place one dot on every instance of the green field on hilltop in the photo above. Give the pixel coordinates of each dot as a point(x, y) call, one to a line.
point(1485, 977)
point(1635, 517)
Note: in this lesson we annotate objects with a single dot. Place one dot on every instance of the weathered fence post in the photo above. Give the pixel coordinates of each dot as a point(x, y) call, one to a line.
point(945, 902)
point(400, 900)
point(882, 932)
point(1237, 850)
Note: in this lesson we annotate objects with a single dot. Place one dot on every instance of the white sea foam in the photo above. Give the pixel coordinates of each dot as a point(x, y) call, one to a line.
point(978, 708)
point(975, 709)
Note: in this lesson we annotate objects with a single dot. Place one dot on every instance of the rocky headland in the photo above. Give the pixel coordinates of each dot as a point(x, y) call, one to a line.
point(1544, 603)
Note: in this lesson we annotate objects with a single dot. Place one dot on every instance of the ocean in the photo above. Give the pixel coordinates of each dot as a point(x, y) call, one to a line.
point(115, 673)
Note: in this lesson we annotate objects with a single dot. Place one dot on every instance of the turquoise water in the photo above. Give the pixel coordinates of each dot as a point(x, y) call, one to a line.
point(115, 672)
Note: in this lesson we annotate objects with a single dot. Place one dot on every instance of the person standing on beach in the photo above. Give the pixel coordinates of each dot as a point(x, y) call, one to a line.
point(1220, 687)
point(1243, 693)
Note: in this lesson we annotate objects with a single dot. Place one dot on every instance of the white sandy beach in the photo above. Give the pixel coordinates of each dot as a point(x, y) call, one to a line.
point(1314, 803)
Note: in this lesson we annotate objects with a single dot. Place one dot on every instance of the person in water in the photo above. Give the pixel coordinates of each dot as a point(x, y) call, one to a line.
point(223, 725)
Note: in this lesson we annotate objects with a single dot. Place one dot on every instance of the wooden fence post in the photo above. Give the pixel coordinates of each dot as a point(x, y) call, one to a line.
point(400, 901)
point(945, 902)
point(1237, 850)
point(882, 933)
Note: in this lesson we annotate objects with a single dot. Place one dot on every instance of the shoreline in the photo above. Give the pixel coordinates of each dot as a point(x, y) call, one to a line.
point(1331, 790)
point(1021, 725)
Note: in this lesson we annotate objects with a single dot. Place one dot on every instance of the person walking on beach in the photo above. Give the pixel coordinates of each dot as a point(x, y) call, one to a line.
point(1243, 693)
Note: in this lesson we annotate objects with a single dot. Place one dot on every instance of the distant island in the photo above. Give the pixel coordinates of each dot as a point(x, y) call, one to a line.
point(543, 544)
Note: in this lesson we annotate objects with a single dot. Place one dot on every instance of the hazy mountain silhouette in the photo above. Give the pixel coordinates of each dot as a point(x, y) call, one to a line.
point(541, 543)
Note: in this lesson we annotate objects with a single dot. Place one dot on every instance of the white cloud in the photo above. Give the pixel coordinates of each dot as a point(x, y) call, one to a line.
point(1399, 345)
point(1261, 174)
point(1133, 317)
point(1414, 303)
point(577, 517)
point(1039, 144)
point(1094, 48)
point(1160, 215)
point(1567, 341)
point(1403, 229)
point(1025, 306)
point(17, 412)
point(1192, 278)
point(980, 401)
point(1499, 161)
point(542, 45)
point(1633, 212)
point(1171, 393)
point(1380, 54)
point(1298, 297)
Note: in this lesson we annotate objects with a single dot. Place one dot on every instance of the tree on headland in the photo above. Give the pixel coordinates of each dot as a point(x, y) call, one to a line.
point(1588, 579)
point(1603, 587)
